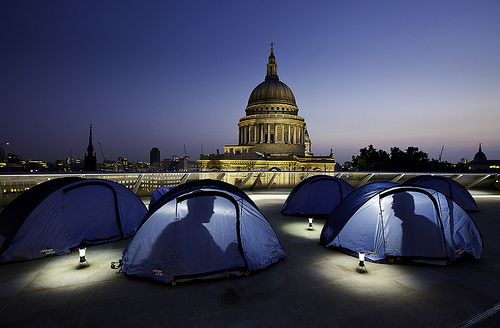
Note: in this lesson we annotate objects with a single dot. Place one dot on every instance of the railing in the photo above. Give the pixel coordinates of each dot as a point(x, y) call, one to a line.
point(144, 183)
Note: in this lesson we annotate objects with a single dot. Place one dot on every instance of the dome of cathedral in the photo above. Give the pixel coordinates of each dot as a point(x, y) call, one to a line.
point(480, 156)
point(272, 95)
point(272, 91)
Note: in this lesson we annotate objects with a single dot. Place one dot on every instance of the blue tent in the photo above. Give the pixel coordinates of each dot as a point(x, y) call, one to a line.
point(316, 196)
point(447, 186)
point(57, 216)
point(158, 193)
point(199, 230)
point(402, 222)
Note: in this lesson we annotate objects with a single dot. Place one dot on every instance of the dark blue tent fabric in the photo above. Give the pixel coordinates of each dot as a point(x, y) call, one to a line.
point(316, 196)
point(13, 216)
point(158, 193)
point(447, 186)
point(57, 216)
point(201, 230)
point(406, 222)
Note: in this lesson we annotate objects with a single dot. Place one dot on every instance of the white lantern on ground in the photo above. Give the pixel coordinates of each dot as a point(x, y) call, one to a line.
point(310, 227)
point(361, 268)
point(83, 261)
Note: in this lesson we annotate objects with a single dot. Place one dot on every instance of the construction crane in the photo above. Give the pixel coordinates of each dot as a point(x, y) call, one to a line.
point(441, 154)
point(103, 158)
point(185, 153)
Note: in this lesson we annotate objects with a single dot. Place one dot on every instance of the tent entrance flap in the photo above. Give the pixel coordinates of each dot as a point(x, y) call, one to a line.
point(411, 226)
point(199, 247)
point(90, 218)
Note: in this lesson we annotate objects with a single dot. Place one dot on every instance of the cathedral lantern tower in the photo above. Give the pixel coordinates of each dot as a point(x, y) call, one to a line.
point(272, 124)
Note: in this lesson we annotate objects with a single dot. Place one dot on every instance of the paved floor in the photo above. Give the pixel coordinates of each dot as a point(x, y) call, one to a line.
point(312, 287)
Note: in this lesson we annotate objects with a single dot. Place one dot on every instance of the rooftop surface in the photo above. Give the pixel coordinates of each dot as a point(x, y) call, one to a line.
point(312, 287)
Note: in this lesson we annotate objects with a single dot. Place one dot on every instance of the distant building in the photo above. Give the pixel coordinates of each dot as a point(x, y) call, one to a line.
point(155, 163)
point(36, 166)
point(480, 163)
point(14, 159)
point(186, 164)
point(121, 164)
point(272, 136)
point(77, 165)
point(61, 166)
point(154, 155)
point(90, 159)
point(14, 163)
point(139, 167)
point(183, 163)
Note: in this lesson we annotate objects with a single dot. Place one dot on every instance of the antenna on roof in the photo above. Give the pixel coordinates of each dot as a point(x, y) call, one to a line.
point(202, 148)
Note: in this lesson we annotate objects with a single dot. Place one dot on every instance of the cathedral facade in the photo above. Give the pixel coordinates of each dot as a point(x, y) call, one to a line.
point(272, 136)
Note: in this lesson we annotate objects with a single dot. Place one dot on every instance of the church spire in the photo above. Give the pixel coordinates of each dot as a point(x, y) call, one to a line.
point(90, 147)
point(90, 160)
point(272, 67)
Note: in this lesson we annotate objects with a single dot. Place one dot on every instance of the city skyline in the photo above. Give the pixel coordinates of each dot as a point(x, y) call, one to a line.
point(172, 75)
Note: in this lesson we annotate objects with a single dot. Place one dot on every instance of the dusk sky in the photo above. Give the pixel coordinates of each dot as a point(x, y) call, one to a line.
point(172, 73)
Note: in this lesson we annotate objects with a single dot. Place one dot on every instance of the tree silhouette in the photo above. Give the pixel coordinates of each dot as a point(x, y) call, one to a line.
point(410, 160)
point(371, 159)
